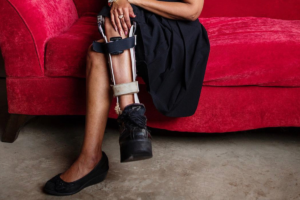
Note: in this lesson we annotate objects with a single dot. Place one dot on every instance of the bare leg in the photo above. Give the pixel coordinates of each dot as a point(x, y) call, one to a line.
point(99, 96)
point(121, 65)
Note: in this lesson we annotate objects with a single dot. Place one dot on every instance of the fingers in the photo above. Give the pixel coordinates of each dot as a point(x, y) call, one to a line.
point(113, 20)
point(131, 13)
point(122, 20)
point(127, 19)
point(120, 29)
point(122, 25)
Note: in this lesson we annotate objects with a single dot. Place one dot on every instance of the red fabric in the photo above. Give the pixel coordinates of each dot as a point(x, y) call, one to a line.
point(42, 19)
point(279, 9)
point(252, 43)
point(244, 51)
point(89, 6)
point(17, 45)
point(253, 51)
point(66, 53)
point(221, 109)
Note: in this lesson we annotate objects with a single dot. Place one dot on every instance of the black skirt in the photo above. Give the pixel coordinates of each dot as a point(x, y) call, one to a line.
point(171, 58)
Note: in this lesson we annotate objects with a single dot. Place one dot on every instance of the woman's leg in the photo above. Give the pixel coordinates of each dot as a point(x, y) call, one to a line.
point(121, 64)
point(99, 96)
point(134, 139)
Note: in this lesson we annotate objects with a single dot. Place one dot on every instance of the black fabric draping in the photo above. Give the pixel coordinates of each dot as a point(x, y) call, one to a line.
point(171, 57)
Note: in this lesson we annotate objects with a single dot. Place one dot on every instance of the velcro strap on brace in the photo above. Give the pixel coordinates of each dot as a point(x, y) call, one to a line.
point(99, 47)
point(121, 45)
point(125, 88)
point(111, 47)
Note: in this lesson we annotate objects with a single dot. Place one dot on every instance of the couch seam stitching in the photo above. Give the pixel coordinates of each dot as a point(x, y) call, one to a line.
point(36, 51)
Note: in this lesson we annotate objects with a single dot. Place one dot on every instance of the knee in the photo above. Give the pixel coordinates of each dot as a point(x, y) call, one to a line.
point(109, 29)
point(92, 55)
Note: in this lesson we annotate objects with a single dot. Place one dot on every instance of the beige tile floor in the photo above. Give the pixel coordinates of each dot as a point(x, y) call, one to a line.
point(259, 164)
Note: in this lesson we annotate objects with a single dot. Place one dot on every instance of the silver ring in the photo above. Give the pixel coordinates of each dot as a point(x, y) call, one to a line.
point(121, 16)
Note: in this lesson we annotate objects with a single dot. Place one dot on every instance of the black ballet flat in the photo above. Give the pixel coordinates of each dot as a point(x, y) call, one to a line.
point(135, 138)
point(58, 187)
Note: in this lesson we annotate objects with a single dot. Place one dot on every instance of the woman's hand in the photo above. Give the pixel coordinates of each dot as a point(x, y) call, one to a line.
point(121, 7)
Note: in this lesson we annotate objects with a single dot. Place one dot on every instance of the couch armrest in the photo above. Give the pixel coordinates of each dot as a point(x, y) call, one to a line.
point(25, 28)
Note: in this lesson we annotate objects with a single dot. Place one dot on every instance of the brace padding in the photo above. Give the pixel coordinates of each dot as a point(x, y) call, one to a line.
point(125, 88)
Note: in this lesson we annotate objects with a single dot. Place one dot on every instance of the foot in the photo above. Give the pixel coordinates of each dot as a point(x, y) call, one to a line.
point(135, 138)
point(81, 167)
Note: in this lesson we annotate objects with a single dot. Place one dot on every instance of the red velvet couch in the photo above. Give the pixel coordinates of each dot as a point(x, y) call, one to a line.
point(252, 78)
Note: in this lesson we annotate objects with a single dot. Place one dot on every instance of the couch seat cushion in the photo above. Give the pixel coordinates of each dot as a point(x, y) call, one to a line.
point(244, 51)
point(253, 51)
point(66, 53)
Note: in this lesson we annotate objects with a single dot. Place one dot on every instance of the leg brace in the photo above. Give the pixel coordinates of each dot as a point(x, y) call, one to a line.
point(114, 48)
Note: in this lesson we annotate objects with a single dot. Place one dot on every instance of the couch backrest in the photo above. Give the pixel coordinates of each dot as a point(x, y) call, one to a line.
point(38, 18)
point(279, 9)
point(89, 6)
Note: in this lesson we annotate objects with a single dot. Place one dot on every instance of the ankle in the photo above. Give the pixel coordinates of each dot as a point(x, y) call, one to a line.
point(126, 100)
point(90, 159)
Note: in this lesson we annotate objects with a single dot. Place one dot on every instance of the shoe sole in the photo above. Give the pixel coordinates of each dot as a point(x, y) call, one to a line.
point(93, 181)
point(135, 150)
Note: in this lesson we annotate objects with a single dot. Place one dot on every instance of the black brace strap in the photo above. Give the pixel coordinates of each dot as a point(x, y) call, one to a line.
point(111, 47)
point(99, 47)
point(120, 45)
